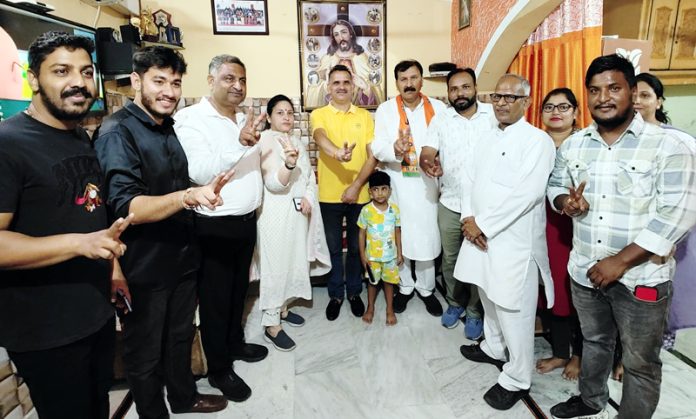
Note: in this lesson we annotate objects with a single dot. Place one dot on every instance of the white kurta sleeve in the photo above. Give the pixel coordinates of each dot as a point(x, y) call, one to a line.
point(529, 190)
point(383, 143)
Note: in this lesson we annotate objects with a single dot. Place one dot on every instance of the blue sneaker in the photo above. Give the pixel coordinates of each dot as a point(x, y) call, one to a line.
point(473, 328)
point(452, 316)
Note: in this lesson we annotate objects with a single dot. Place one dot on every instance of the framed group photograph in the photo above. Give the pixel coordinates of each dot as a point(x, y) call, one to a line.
point(351, 33)
point(464, 13)
point(240, 17)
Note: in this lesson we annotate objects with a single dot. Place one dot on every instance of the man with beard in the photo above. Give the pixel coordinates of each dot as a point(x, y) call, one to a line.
point(628, 186)
point(147, 175)
point(400, 132)
point(345, 50)
point(504, 223)
point(448, 148)
point(58, 257)
point(215, 136)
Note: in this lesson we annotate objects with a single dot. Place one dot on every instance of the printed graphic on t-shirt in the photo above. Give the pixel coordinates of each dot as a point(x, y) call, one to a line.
point(77, 179)
point(381, 231)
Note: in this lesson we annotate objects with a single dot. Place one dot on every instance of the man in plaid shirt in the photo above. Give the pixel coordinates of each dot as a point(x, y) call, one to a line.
point(629, 187)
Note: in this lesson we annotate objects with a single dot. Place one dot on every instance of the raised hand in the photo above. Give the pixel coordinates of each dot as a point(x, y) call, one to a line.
point(105, 244)
point(249, 135)
point(345, 154)
point(575, 204)
point(209, 195)
point(403, 142)
point(433, 169)
point(291, 153)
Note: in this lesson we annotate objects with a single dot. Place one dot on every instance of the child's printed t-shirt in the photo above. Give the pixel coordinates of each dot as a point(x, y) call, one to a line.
point(381, 231)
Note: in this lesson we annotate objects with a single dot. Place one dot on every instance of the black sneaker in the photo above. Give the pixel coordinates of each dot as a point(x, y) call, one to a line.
point(574, 407)
point(294, 320)
point(333, 309)
point(356, 306)
point(476, 354)
point(249, 352)
point(400, 301)
point(432, 305)
point(498, 397)
point(281, 341)
point(231, 385)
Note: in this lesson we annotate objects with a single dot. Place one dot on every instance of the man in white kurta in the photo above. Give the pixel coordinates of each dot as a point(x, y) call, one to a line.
point(504, 222)
point(400, 131)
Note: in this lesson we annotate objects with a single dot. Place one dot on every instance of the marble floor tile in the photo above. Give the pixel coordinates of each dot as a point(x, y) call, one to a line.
point(396, 376)
point(352, 370)
point(685, 342)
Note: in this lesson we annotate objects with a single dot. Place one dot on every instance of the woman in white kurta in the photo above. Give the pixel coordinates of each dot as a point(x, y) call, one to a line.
point(290, 232)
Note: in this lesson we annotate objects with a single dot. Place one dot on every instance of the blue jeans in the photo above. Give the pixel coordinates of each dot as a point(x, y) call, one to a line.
point(640, 325)
point(333, 215)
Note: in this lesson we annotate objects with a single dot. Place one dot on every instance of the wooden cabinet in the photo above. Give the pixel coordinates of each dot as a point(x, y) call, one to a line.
point(671, 26)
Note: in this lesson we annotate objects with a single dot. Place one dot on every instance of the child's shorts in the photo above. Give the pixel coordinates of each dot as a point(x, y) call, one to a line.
point(385, 271)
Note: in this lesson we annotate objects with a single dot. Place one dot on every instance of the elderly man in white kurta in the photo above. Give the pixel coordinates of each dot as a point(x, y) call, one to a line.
point(400, 130)
point(504, 221)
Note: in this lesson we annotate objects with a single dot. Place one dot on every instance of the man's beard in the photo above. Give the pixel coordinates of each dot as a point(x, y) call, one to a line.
point(344, 46)
point(615, 121)
point(149, 103)
point(62, 114)
point(462, 106)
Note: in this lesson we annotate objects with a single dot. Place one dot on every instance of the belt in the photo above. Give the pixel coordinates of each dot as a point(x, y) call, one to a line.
point(245, 217)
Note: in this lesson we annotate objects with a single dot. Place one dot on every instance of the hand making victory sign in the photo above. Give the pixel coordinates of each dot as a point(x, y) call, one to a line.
point(433, 169)
point(345, 154)
point(403, 142)
point(574, 204)
point(209, 195)
point(249, 135)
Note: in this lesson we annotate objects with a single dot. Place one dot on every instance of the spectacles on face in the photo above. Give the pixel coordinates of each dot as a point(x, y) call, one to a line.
point(495, 97)
point(562, 107)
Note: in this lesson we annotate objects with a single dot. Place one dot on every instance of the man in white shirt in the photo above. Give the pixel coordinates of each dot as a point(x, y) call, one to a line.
point(217, 137)
point(400, 131)
point(504, 222)
point(449, 146)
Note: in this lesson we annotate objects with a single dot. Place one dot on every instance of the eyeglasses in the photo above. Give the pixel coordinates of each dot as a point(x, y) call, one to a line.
point(562, 107)
point(495, 97)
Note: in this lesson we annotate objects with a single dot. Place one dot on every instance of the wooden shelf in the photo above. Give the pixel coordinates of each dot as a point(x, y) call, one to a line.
point(161, 44)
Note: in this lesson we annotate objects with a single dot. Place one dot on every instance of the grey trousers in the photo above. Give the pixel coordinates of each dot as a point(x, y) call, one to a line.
point(457, 293)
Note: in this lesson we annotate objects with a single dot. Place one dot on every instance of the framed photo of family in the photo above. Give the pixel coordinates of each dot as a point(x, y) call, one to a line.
point(240, 17)
point(351, 33)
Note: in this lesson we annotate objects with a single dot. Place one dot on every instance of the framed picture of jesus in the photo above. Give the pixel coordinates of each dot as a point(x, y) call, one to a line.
point(351, 33)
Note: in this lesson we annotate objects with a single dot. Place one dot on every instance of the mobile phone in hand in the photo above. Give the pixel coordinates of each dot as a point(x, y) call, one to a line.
point(297, 202)
point(122, 296)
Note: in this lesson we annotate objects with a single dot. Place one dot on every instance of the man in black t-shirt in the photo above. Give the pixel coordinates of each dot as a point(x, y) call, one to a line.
point(147, 174)
point(58, 256)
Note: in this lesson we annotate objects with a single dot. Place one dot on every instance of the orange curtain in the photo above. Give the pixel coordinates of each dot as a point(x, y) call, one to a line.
point(558, 53)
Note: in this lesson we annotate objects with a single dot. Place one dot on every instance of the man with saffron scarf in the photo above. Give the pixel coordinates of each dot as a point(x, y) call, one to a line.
point(400, 131)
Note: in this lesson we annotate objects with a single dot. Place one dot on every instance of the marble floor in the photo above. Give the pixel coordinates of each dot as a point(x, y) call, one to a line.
point(347, 369)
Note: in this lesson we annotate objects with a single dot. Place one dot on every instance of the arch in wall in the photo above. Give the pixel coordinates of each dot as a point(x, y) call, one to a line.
point(522, 18)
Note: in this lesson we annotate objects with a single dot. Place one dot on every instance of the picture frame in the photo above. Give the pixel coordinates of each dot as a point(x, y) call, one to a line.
point(464, 13)
point(362, 25)
point(249, 17)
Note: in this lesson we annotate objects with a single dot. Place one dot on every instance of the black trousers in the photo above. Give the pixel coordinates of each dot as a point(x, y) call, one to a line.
point(566, 334)
point(157, 339)
point(227, 247)
point(71, 381)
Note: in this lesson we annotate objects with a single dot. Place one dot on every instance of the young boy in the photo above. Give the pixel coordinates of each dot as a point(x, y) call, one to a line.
point(380, 243)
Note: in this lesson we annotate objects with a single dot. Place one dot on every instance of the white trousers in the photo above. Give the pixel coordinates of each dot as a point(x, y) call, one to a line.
point(513, 330)
point(425, 275)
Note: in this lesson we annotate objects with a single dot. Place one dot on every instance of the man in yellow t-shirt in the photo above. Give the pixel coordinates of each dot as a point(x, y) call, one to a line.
point(343, 133)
